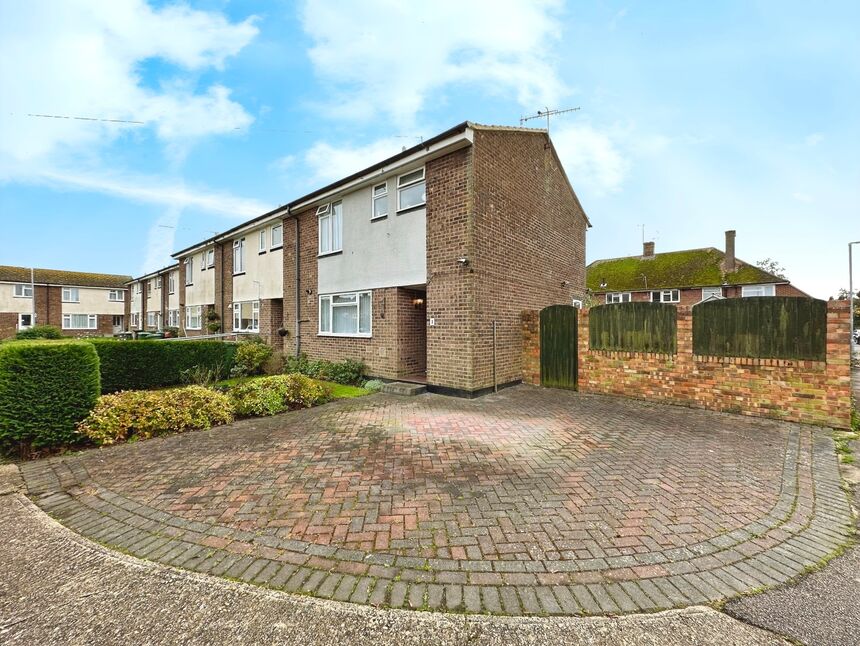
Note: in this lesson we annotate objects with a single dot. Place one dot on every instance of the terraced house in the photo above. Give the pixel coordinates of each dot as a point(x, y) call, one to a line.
point(153, 302)
point(79, 303)
point(418, 265)
point(683, 277)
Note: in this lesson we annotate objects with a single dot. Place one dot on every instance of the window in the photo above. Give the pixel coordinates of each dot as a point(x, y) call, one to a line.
point(666, 296)
point(25, 321)
point(380, 201)
point(330, 227)
point(189, 271)
point(261, 248)
point(151, 319)
point(116, 296)
point(171, 282)
point(277, 236)
point(210, 258)
point(246, 316)
point(151, 288)
point(71, 295)
point(80, 322)
point(135, 319)
point(117, 320)
point(158, 282)
point(24, 291)
point(346, 314)
point(411, 190)
point(138, 288)
point(758, 290)
point(577, 303)
point(239, 256)
point(193, 317)
point(172, 318)
point(618, 297)
point(712, 292)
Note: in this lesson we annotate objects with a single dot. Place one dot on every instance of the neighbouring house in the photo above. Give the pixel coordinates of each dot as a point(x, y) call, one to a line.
point(153, 302)
point(686, 277)
point(80, 303)
point(418, 265)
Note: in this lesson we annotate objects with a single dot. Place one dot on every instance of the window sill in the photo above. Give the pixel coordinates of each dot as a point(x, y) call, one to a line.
point(329, 253)
point(379, 217)
point(239, 273)
point(345, 336)
point(280, 246)
point(189, 284)
point(260, 253)
point(409, 209)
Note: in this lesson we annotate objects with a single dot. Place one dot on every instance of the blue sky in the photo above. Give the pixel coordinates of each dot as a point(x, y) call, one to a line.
point(695, 117)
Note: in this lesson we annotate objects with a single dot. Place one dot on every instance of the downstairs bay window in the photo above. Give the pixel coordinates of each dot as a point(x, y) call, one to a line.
point(346, 314)
point(80, 322)
point(246, 316)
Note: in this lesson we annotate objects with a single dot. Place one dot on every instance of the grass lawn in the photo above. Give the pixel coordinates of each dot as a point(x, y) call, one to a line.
point(338, 391)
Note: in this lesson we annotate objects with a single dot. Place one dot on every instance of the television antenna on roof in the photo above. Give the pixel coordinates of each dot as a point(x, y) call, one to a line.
point(546, 114)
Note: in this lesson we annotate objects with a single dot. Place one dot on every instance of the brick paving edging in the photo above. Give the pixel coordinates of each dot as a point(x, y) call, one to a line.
point(810, 521)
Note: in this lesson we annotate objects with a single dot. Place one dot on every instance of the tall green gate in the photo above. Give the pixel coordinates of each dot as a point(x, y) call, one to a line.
point(558, 346)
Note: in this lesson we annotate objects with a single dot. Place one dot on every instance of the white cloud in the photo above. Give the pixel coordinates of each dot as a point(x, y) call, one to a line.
point(84, 57)
point(391, 58)
point(592, 158)
point(328, 163)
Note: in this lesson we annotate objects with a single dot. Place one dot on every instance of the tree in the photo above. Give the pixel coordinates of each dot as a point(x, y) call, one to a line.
point(771, 266)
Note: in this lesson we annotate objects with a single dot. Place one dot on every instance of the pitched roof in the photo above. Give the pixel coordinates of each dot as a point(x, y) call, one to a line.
point(689, 268)
point(61, 277)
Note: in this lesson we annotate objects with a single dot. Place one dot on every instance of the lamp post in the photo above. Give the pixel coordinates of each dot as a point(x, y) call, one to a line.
point(851, 294)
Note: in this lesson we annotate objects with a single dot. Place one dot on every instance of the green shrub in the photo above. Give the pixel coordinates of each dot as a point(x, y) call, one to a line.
point(374, 385)
point(271, 395)
point(349, 372)
point(251, 355)
point(139, 365)
point(143, 414)
point(203, 375)
point(40, 332)
point(46, 388)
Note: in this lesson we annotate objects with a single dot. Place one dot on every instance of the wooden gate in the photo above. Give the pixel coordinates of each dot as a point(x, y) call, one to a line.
point(558, 346)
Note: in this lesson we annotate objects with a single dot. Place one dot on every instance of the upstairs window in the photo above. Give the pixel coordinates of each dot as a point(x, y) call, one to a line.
point(116, 295)
point(24, 291)
point(262, 244)
point(712, 292)
point(277, 236)
point(758, 290)
point(210, 259)
point(158, 282)
point(666, 296)
point(189, 271)
point(71, 295)
point(171, 282)
point(330, 221)
point(618, 297)
point(380, 201)
point(138, 287)
point(411, 191)
point(239, 256)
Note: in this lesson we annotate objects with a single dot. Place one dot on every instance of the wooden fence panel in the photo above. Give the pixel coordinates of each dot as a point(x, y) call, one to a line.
point(764, 327)
point(634, 327)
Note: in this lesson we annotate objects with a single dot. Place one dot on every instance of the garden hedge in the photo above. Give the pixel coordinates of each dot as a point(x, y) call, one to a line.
point(46, 388)
point(139, 365)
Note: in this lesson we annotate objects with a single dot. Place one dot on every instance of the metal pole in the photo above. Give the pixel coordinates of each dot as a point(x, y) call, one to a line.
point(851, 297)
point(495, 382)
point(33, 296)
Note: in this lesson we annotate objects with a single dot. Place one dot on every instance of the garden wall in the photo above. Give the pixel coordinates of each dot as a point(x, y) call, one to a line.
point(814, 392)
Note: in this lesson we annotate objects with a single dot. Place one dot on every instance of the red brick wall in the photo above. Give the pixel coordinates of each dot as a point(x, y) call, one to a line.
point(411, 340)
point(8, 324)
point(814, 392)
point(271, 319)
point(49, 305)
point(529, 244)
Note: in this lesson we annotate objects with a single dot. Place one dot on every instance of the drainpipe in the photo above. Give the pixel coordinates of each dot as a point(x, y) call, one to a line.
point(298, 286)
point(33, 296)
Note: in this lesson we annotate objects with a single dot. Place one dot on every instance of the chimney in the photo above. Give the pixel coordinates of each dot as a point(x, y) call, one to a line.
point(729, 263)
point(648, 249)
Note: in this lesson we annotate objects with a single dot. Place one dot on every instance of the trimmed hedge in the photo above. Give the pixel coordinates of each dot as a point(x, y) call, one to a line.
point(40, 332)
point(46, 388)
point(141, 365)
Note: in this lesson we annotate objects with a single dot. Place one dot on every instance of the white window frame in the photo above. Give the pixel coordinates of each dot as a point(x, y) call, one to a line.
point(577, 303)
point(255, 316)
point(172, 318)
point(115, 318)
point(116, 296)
point(280, 242)
point(192, 313)
point(750, 290)
point(261, 243)
point(618, 297)
point(712, 292)
point(67, 294)
point(158, 282)
point(674, 296)
point(138, 288)
point(21, 316)
point(374, 197)
point(401, 186)
point(210, 258)
point(189, 271)
point(171, 282)
point(326, 213)
point(135, 319)
point(329, 298)
point(92, 322)
point(152, 319)
point(23, 290)
point(239, 246)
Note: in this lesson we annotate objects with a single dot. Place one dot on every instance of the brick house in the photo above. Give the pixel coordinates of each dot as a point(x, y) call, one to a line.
point(685, 277)
point(79, 303)
point(407, 265)
point(153, 302)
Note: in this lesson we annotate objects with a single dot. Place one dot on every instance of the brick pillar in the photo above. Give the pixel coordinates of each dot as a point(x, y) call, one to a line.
point(838, 357)
point(288, 304)
point(530, 320)
point(582, 373)
point(684, 338)
point(224, 275)
point(126, 309)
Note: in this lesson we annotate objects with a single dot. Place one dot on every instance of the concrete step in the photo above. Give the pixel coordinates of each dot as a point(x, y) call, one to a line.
point(402, 388)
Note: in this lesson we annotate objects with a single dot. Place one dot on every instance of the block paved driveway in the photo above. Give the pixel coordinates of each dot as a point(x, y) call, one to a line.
point(530, 501)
